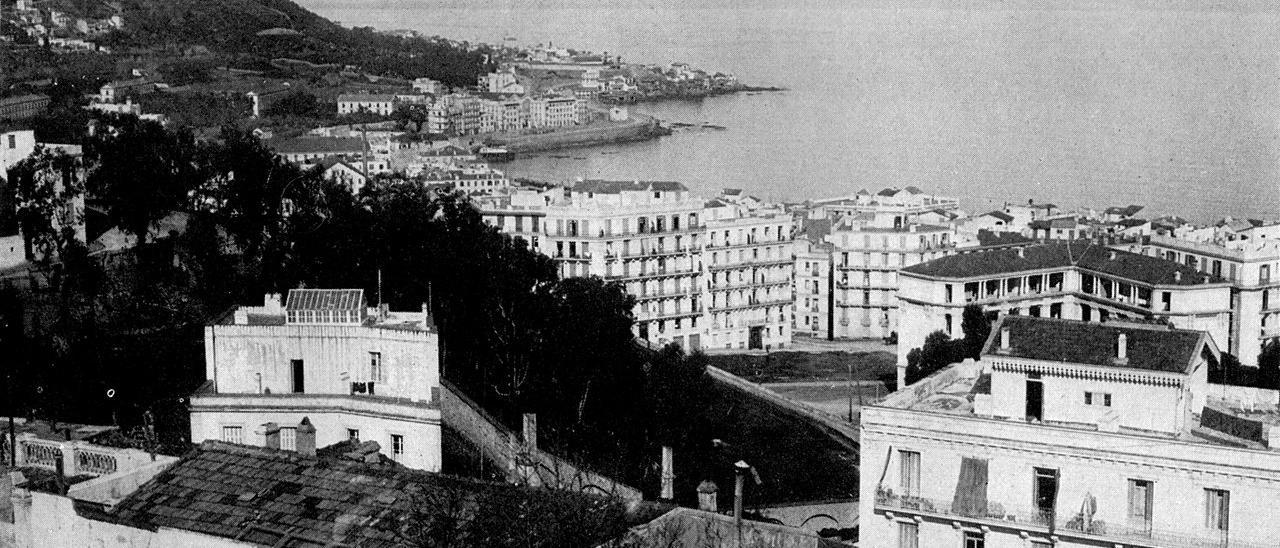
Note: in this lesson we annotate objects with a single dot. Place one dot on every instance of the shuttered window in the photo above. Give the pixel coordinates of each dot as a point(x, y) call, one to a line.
point(1140, 502)
point(908, 535)
point(910, 473)
point(1217, 506)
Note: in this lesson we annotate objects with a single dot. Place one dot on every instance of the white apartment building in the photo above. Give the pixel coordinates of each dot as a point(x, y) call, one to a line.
point(1073, 434)
point(357, 373)
point(813, 288)
point(1251, 266)
point(1077, 281)
point(869, 250)
point(749, 264)
point(644, 234)
point(905, 201)
point(372, 103)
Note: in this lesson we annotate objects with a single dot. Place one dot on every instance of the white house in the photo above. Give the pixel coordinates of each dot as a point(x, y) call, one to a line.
point(371, 103)
point(1073, 434)
point(357, 373)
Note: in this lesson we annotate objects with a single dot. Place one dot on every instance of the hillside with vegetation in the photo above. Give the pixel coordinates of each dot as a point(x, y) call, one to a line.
point(253, 33)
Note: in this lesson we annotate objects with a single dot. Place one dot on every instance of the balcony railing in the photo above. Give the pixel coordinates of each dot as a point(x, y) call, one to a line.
point(1065, 522)
point(76, 458)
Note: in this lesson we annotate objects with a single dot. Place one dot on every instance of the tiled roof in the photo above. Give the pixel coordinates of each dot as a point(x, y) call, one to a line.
point(815, 229)
point(30, 97)
point(280, 498)
point(863, 192)
point(714, 203)
point(913, 190)
point(319, 145)
point(1082, 254)
point(732, 191)
point(325, 299)
point(1126, 211)
point(887, 192)
point(1152, 348)
point(365, 98)
point(615, 187)
point(988, 238)
point(999, 215)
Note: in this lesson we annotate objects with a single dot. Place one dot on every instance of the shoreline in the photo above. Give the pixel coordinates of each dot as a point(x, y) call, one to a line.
point(640, 128)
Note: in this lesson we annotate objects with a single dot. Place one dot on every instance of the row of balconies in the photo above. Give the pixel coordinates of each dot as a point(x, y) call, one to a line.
point(1064, 522)
point(752, 263)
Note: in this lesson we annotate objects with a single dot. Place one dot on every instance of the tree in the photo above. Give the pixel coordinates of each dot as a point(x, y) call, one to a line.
point(937, 352)
point(406, 114)
point(141, 171)
point(1269, 365)
point(49, 199)
point(977, 327)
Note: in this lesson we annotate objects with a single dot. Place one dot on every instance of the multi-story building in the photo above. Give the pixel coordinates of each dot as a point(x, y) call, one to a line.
point(1072, 434)
point(1250, 266)
point(358, 373)
point(23, 106)
point(869, 250)
point(516, 211)
point(646, 235)
point(906, 201)
point(1076, 280)
point(749, 260)
point(371, 103)
point(813, 288)
point(119, 90)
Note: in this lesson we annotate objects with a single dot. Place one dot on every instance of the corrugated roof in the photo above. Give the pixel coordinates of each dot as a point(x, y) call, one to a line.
point(1081, 254)
point(615, 187)
point(325, 299)
point(1154, 348)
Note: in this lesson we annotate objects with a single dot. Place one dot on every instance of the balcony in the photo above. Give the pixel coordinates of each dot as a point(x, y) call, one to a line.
point(75, 458)
point(753, 304)
point(656, 273)
point(754, 263)
point(1069, 522)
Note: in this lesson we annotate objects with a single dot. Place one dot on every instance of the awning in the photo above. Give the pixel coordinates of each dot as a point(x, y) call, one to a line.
point(971, 489)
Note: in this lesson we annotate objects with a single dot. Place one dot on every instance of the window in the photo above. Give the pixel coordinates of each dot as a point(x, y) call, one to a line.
point(1140, 503)
point(950, 295)
point(1165, 300)
point(375, 367)
point(909, 478)
point(289, 438)
point(908, 535)
point(353, 435)
point(1217, 505)
point(299, 382)
point(397, 447)
point(1097, 398)
point(233, 434)
point(1045, 492)
point(974, 539)
point(13, 141)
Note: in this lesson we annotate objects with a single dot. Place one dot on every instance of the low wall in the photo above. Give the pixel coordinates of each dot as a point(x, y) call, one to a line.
point(815, 516)
point(595, 134)
point(833, 423)
point(526, 465)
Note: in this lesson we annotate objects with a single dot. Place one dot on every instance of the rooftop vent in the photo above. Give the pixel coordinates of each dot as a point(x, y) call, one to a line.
point(1022, 253)
point(1112, 255)
point(1177, 276)
point(1122, 349)
point(1004, 339)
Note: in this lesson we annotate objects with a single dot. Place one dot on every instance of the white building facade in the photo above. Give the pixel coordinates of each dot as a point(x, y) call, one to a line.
point(1077, 281)
point(356, 373)
point(749, 262)
point(1067, 434)
point(1251, 266)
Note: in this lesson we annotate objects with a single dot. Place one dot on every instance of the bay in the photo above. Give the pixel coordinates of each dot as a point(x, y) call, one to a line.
point(1086, 104)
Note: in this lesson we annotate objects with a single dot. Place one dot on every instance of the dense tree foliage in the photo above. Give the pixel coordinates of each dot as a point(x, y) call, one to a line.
point(977, 327)
point(515, 337)
point(1269, 365)
point(265, 30)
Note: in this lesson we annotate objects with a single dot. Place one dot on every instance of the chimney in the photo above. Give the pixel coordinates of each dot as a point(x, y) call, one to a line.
point(739, 479)
point(270, 435)
point(1122, 348)
point(1004, 338)
point(1177, 275)
point(531, 430)
point(427, 321)
point(241, 316)
point(707, 496)
point(1112, 255)
point(668, 474)
point(1022, 254)
point(306, 438)
point(271, 303)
